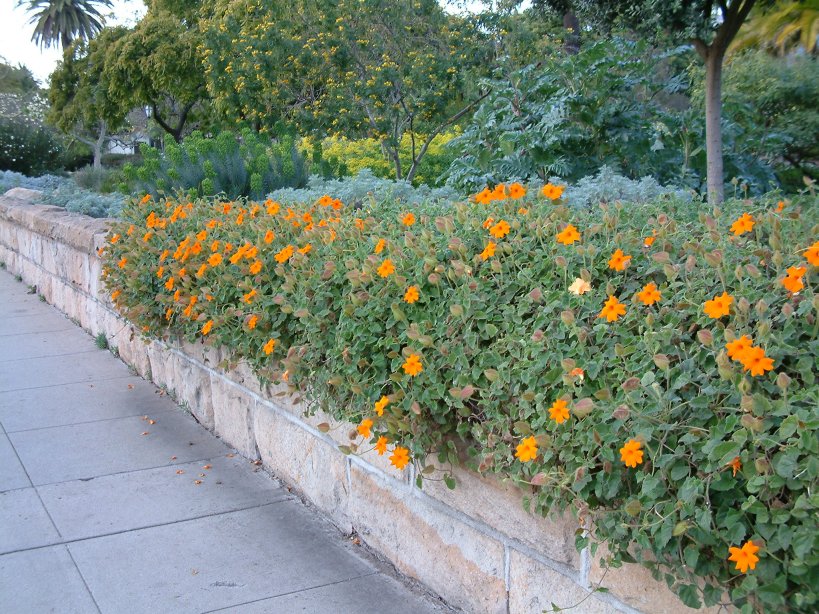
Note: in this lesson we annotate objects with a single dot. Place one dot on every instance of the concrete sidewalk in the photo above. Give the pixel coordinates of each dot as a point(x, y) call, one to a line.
point(113, 499)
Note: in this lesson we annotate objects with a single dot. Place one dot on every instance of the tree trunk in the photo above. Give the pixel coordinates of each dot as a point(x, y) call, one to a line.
point(572, 26)
point(713, 127)
point(98, 145)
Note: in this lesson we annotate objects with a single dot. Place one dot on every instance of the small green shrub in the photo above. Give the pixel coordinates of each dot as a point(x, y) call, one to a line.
point(234, 165)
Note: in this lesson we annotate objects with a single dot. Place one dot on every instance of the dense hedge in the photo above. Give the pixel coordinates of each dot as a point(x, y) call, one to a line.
point(652, 367)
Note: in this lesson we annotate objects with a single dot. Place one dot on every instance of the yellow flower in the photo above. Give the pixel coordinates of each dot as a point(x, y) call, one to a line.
point(412, 366)
point(412, 294)
point(580, 286)
point(631, 454)
point(386, 268)
point(526, 450)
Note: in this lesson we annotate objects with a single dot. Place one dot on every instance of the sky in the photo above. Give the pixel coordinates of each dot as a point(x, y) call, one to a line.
point(16, 46)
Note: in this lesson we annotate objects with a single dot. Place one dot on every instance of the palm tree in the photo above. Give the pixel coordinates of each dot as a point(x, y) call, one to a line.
point(63, 21)
point(787, 26)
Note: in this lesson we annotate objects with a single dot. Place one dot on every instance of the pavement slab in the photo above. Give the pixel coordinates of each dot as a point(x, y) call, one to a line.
point(12, 474)
point(83, 366)
point(43, 580)
point(139, 499)
point(40, 345)
point(119, 397)
point(105, 447)
point(24, 521)
point(215, 562)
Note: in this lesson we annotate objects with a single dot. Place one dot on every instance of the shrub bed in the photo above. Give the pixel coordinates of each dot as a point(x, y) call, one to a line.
point(652, 368)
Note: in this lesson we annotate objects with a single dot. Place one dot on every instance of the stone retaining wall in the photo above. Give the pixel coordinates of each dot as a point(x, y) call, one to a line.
point(475, 546)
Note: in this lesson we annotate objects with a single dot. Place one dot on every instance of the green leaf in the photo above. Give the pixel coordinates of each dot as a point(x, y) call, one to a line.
point(690, 595)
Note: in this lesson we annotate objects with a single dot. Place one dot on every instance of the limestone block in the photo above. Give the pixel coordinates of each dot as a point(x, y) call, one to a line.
point(313, 466)
point(132, 348)
point(161, 368)
point(465, 567)
point(500, 505)
point(534, 587)
point(193, 389)
point(634, 585)
point(233, 410)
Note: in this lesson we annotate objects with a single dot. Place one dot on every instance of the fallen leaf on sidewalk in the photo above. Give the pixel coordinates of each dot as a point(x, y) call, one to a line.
point(180, 471)
point(130, 386)
point(201, 475)
point(197, 482)
point(206, 466)
point(145, 433)
point(231, 455)
point(151, 421)
point(173, 458)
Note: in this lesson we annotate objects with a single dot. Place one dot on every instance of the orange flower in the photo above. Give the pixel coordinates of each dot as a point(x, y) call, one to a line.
point(488, 251)
point(735, 465)
point(499, 193)
point(207, 327)
point(500, 230)
point(145, 199)
point(325, 201)
point(523, 211)
point(754, 360)
point(649, 241)
point(568, 235)
point(552, 192)
point(163, 255)
point(359, 223)
point(612, 309)
point(488, 222)
point(578, 373)
point(386, 268)
point(269, 236)
point(381, 404)
point(408, 219)
point(738, 346)
point(201, 270)
point(268, 347)
point(516, 191)
point(412, 366)
point(114, 239)
point(745, 557)
point(169, 313)
point(255, 267)
point(718, 306)
point(411, 295)
point(215, 259)
point(121, 264)
point(130, 230)
point(400, 457)
point(793, 280)
point(147, 236)
point(631, 454)
point(284, 254)
point(306, 249)
point(780, 206)
point(484, 197)
point(526, 450)
point(619, 260)
point(251, 323)
point(115, 294)
point(248, 298)
point(559, 411)
point(273, 208)
point(745, 223)
point(381, 445)
point(379, 247)
point(812, 254)
point(169, 284)
point(649, 295)
point(364, 428)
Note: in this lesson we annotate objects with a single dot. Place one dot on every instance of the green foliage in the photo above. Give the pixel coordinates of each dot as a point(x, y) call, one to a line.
point(251, 165)
point(28, 147)
point(500, 338)
point(64, 192)
point(569, 115)
point(17, 80)
point(64, 21)
point(773, 100)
